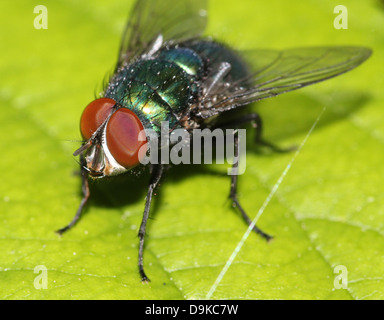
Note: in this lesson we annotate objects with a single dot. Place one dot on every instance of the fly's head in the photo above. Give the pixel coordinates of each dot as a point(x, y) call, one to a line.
point(114, 138)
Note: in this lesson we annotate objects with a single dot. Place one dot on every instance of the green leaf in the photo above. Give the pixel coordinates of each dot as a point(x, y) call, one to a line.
point(328, 211)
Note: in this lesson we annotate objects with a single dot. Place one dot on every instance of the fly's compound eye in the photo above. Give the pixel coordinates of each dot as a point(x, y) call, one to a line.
point(124, 134)
point(94, 115)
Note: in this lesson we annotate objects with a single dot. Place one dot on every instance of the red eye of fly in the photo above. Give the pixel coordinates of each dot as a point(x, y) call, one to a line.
point(94, 115)
point(123, 141)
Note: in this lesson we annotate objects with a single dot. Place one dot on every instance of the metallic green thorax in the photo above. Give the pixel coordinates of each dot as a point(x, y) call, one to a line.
point(161, 87)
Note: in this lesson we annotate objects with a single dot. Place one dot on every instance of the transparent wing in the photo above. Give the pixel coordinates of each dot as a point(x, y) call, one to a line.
point(275, 72)
point(174, 20)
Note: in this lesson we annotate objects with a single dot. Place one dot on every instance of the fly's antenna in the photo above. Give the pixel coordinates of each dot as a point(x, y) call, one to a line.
point(83, 148)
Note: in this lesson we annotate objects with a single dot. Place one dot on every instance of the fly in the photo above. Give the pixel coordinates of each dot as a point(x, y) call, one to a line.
point(167, 71)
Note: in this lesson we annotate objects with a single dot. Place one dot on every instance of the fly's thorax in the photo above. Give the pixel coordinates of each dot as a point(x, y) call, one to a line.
point(161, 88)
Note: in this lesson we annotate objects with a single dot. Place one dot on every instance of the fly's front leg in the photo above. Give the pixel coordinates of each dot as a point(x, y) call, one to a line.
point(156, 174)
point(86, 194)
point(233, 191)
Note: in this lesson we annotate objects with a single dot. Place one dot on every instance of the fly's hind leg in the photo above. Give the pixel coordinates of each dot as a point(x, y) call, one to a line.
point(233, 192)
point(258, 125)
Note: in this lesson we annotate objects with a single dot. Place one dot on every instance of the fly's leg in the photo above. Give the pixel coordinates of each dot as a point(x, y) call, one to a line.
point(86, 194)
point(258, 125)
point(233, 192)
point(156, 174)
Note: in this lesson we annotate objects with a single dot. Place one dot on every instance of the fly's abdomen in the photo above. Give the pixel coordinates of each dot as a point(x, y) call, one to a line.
point(213, 54)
